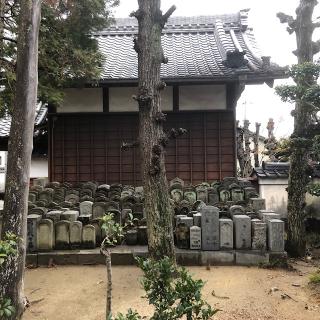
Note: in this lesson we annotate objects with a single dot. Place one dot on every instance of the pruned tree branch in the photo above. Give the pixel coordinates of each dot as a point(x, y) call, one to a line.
point(285, 18)
point(167, 15)
point(129, 145)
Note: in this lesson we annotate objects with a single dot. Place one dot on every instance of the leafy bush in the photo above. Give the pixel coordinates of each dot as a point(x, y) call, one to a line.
point(8, 246)
point(113, 230)
point(172, 291)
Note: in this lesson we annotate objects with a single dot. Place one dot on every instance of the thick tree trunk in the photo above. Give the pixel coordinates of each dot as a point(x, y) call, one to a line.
point(151, 136)
point(240, 149)
point(247, 149)
point(298, 176)
point(19, 151)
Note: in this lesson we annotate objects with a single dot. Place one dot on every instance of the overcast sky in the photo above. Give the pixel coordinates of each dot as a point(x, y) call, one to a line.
point(257, 103)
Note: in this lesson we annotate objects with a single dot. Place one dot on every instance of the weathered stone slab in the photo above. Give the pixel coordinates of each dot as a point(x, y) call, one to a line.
point(75, 234)
point(98, 210)
point(213, 196)
point(236, 210)
point(182, 236)
point(197, 219)
point(257, 204)
point(217, 258)
point(195, 238)
point(202, 193)
point(88, 237)
point(251, 258)
point(45, 235)
point(178, 217)
point(32, 228)
point(62, 232)
point(70, 215)
point(54, 215)
point(237, 194)
point(242, 228)
point(97, 225)
point(226, 233)
point(210, 228)
point(276, 235)
point(261, 212)
point(259, 235)
point(86, 208)
point(187, 220)
point(270, 215)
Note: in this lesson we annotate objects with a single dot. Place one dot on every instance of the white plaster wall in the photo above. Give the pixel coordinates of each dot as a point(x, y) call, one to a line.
point(274, 191)
point(202, 97)
point(313, 203)
point(3, 164)
point(82, 100)
point(120, 99)
point(39, 168)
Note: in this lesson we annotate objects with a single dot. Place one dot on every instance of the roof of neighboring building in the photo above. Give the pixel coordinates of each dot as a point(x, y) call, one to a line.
point(198, 48)
point(276, 170)
point(5, 122)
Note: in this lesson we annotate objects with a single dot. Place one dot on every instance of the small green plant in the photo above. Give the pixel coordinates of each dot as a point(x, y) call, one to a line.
point(113, 230)
point(315, 277)
point(172, 291)
point(6, 308)
point(8, 247)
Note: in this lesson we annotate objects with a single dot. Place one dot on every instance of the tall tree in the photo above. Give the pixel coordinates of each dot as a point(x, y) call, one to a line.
point(68, 54)
point(152, 138)
point(304, 94)
point(19, 151)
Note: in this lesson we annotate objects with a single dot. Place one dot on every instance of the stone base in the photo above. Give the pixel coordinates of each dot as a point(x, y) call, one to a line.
point(125, 255)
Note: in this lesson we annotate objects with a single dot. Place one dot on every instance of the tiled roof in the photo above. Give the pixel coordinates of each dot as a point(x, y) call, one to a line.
point(274, 170)
point(5, 122)
point(203, 47)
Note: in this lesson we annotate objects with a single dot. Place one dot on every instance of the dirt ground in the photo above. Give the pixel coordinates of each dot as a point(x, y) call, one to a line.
point(241, 293)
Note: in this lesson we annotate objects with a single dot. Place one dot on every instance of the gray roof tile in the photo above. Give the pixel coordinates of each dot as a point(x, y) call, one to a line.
point(5, 122)
point(196, 47)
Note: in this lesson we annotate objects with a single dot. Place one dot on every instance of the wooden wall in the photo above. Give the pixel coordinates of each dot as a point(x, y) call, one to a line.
point(85, 147)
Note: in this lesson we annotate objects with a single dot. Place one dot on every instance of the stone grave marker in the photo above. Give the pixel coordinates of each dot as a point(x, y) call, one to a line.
point(54, 215)
point(195, 238)
point(276, 235)
point(259, 235)
point(98, 210)
point(224, 195)
point(45, 235)
point(202, 193)
point(86, 208)
point(258, 204)
point(62, 235)
point(226, 233)
point(73, 198)
point(198, 205)
point(32, 228)
point(213, 196)
point(176, 195)
point(182, 236)
point(242, 228)
point(197, 219)
point(89, 237)
point(188, 221)
point(236, 210)
point(97, 225)
point(237, 194)
point(178, 217)
point(266, 216)
point(70, 215)
point(75, 234)
point(190, 195)
point(210, 228)
point(32, 197)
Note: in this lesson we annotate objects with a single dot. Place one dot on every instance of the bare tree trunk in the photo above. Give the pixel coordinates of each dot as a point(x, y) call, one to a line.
point(240, 149)
point(151, 136)
point(298, 176)
point(256, 145)
point(19, 151)
point(247, 150)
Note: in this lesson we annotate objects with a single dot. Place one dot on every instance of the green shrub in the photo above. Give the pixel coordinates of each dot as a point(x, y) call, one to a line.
point(172, 291)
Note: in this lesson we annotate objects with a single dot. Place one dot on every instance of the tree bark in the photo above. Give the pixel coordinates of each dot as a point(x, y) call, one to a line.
point(298, 176)
point(256, 145)
point(247, 149)
point(19, 151)
point(240, 149)
point(151, 136)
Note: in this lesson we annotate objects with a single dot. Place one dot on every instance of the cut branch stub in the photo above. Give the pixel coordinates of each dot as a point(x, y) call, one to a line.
point(136, 45)
point(129, 145)
point(167, 15)
point(160, 117)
